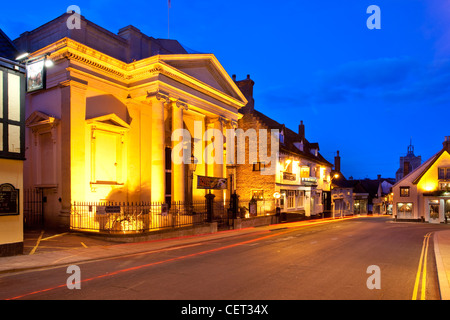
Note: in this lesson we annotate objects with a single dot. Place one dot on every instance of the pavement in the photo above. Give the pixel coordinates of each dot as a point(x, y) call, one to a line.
point(50, 249)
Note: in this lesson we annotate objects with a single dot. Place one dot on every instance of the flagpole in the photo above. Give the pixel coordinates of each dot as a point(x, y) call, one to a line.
point(168, 19)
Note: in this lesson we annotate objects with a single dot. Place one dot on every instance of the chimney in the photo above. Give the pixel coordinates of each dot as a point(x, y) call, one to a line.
point(337, 162)
point(379, 177)
point(301, 130)
point(446, 143)
point(246, 87)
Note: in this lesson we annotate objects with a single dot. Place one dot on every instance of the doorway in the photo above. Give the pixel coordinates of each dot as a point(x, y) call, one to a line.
point(433, 210)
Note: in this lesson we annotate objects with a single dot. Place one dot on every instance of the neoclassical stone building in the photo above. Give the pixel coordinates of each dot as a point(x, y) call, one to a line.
point(101, 129)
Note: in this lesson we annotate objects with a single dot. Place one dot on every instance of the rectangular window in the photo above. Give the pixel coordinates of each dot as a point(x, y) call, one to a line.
point(404, 191)
point(444, 173)
point(258, 166)
point(258, 194)
point(290, 199)
point(441, 173)
point(12, 122)
point(13, 97)
point(301, 194)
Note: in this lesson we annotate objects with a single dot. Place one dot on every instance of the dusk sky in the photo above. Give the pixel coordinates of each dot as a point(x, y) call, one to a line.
point(363, 92)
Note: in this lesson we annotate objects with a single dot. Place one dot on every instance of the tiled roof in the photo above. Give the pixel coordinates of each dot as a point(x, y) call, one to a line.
point(291, 137)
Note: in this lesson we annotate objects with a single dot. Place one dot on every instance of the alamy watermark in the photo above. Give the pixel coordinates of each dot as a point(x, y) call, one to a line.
point(374, 21)
point(74, 280)
point(374, 280)
point(263, 146)
point(74, 21)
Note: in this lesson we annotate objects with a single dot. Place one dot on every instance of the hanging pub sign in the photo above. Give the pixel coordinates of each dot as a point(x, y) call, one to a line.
point(213, 183)
point(9, 200)
point(36, 73)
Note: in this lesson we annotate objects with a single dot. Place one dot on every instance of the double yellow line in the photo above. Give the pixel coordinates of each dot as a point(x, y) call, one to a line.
point(422, 269)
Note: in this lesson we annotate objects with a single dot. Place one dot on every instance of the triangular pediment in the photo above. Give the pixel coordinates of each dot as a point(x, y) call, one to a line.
point(38, 118)
point(109, 120)
point(207, 69)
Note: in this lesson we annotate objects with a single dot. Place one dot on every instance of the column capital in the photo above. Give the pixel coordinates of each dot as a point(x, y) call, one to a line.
point(159, 95)
point(181, 104)
point(221, 119)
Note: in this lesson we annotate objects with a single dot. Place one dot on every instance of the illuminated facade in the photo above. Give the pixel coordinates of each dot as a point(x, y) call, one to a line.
point(102, 128)
point(301, 176)
point(424, 194)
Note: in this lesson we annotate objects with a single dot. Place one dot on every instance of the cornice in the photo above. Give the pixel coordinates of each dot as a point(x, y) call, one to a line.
point(129, 73)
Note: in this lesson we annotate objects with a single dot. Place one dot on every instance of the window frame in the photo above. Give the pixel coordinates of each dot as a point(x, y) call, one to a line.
point(4, 117)
point(258, 166)
point(408, 189)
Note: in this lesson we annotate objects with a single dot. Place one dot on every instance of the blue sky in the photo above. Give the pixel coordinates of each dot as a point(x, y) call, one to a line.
point(363, 92)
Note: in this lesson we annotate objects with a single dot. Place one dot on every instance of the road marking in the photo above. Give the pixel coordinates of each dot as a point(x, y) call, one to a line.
point(37, 243)
point(422, 269)
point(54, 236)
point(294, 227)
point(84, 245)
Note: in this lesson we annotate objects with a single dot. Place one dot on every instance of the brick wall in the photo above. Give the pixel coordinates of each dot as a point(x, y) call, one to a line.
point(248, 180)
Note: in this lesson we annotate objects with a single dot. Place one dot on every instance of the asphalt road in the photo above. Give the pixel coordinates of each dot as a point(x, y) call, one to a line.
point(331, 261)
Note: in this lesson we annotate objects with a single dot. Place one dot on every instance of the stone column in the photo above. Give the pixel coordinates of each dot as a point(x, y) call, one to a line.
point(216, 168)
point(178, 169)
point(73, 149)
point(158, 176)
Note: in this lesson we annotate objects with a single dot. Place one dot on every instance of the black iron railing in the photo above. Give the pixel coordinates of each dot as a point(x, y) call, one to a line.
point(130, 217)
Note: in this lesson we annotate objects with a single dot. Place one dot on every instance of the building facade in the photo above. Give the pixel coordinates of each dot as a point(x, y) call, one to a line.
point(12, 149)
point(298, 181)
point(424, 194)
point(105, 125)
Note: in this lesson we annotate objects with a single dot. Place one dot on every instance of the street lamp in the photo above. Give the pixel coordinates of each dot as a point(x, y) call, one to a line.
point(335, 176)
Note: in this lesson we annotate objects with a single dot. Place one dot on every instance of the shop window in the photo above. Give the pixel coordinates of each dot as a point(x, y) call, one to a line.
point(434, 209)
point(404, 209)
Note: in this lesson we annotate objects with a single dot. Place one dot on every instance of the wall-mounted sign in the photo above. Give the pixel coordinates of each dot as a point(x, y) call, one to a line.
point(211, 183)
point(36, 75)
point(9, 200)
point(289, 176)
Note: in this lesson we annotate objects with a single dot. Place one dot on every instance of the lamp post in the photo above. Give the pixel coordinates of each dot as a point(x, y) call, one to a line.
point(192, 168)
point(335, 176)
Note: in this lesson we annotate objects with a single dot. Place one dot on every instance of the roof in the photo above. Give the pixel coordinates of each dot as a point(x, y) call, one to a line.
point(422, 169)
point(291, 137)
point(7, 49)
point(433, 160)
point(118, 44)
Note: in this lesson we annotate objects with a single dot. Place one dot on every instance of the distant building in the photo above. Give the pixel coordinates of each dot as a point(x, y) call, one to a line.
point(408, 163)
point(359, 196)
point(424, 194)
